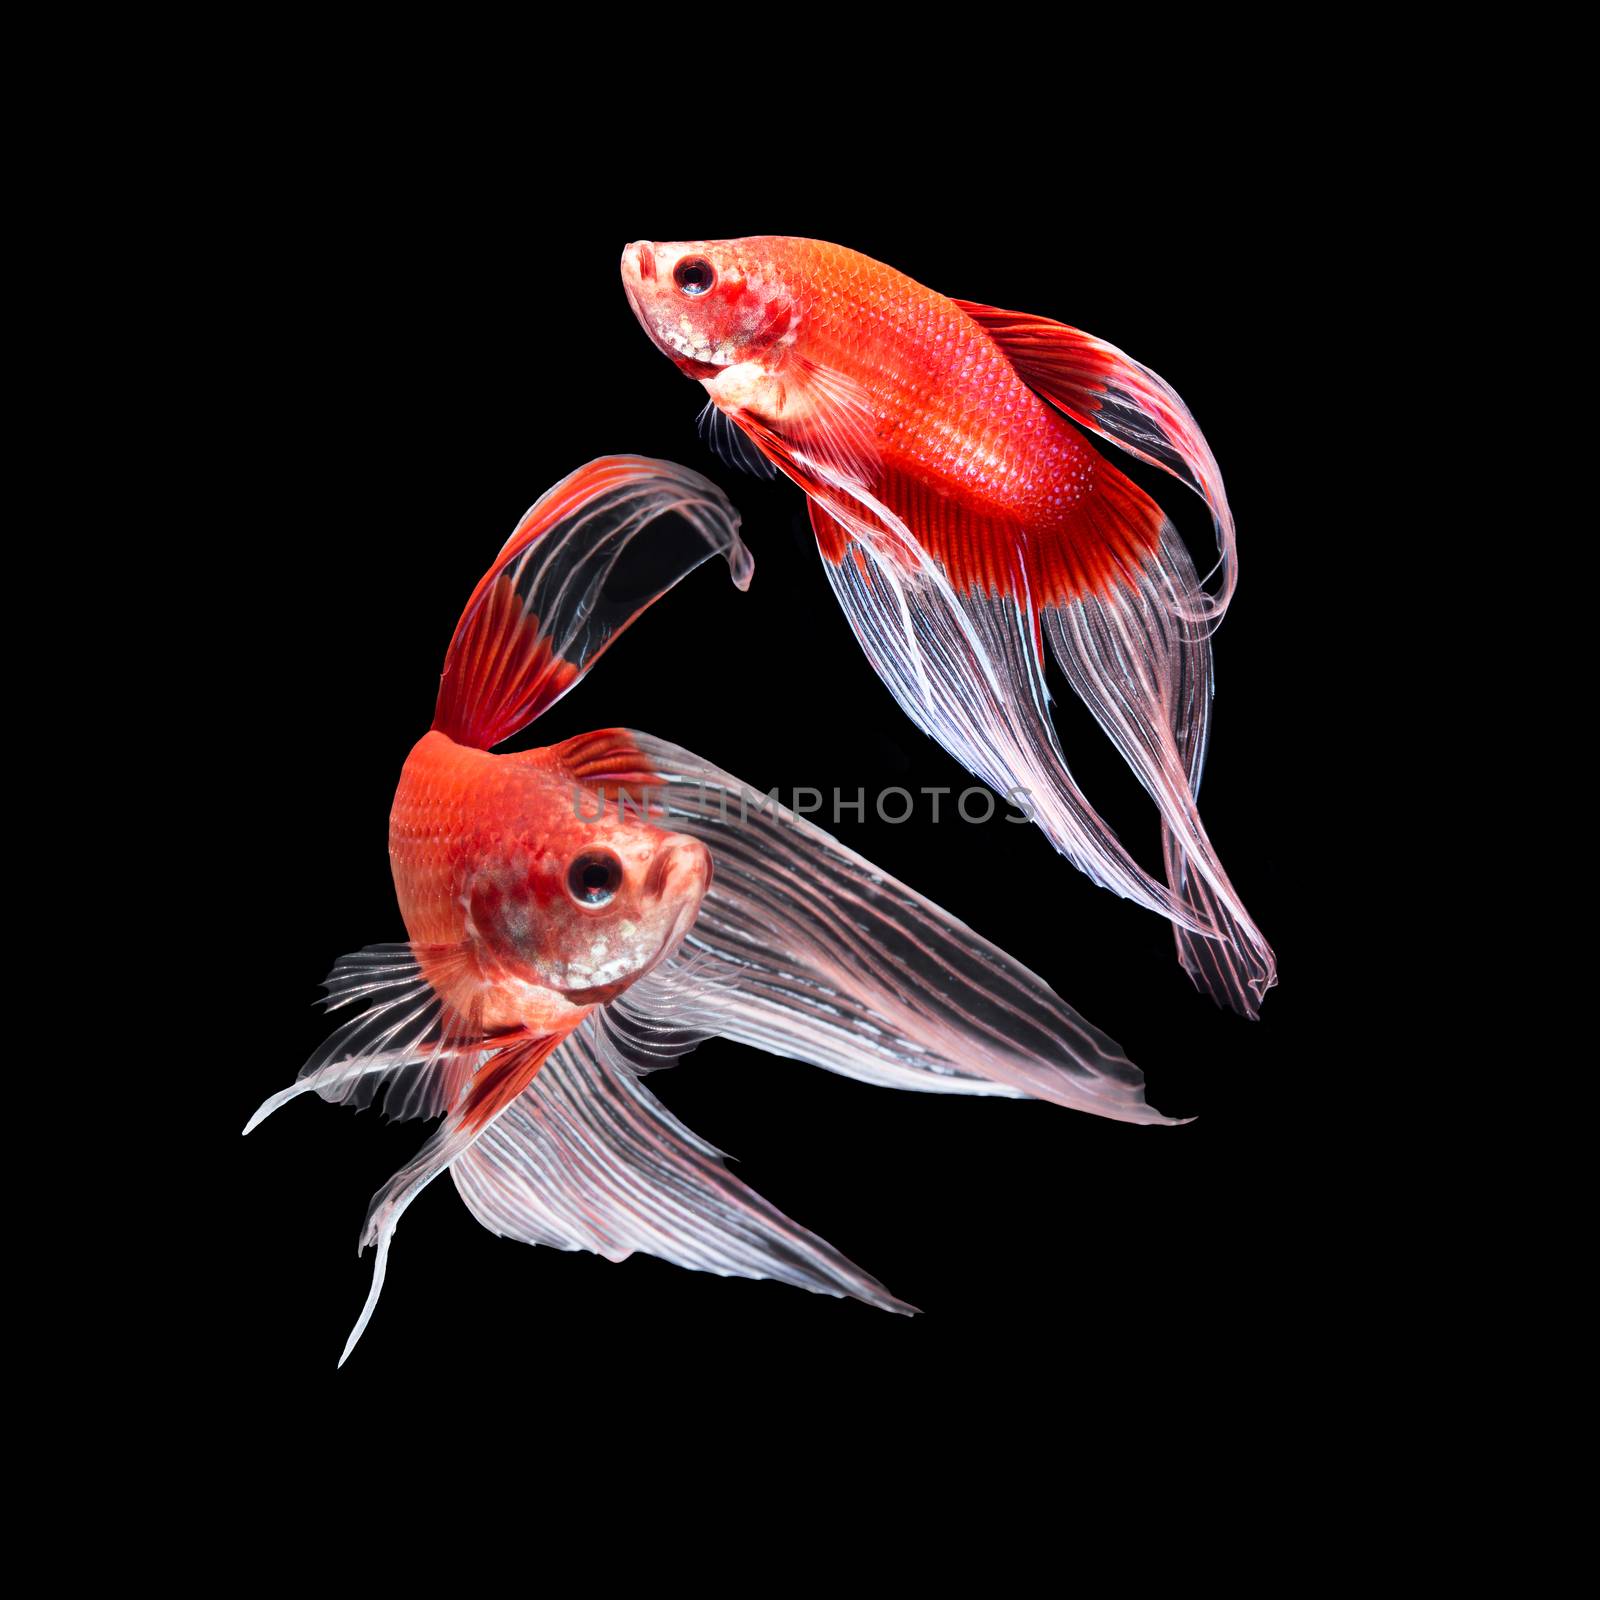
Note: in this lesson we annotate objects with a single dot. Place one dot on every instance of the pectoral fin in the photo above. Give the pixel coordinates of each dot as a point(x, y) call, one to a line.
point(404, 1048)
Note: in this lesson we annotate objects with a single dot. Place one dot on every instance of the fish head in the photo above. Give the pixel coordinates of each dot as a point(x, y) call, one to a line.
point(710, 304)
point(584, 908)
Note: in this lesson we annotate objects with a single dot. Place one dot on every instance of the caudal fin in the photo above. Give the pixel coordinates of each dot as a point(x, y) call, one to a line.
point(569, 580)
point(1237, 968)
point(1139, 656)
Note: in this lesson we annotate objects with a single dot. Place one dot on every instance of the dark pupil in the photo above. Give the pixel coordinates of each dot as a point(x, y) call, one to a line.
point(594, 878)
point(693, 276)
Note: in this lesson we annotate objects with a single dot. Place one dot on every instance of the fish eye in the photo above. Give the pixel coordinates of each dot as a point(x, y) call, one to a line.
point(694, 275)
point(594, 877)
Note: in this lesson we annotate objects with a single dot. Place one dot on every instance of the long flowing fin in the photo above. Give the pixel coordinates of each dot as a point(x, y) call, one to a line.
point(589, 1159)
point(968, 669)
point(1122, 400)
point(498, 1083)
point(1142, 664)
point(804, 949)
point(571, 578)
point(405, 1046)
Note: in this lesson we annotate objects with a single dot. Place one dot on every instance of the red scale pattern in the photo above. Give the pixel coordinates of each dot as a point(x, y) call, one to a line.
point(983, 471)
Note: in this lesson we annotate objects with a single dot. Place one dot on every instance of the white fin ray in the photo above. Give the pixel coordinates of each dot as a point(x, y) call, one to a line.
point(1140, 659)
point(804, 949)
point(588, 1159)
point(966, 670)
point(400, 1049)
point(730, 444)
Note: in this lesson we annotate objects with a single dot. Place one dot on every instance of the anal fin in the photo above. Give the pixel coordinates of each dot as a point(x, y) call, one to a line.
point(589, 1159)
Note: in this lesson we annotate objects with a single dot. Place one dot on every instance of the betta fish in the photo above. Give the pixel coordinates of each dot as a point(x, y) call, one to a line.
point(964, 521)
point(582, 914)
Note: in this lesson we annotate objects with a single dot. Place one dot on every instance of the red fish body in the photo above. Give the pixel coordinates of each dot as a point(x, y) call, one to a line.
point(967, 524)
point(961, 449)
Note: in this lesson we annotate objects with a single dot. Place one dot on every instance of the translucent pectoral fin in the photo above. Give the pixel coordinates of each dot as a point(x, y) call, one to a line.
point(571, 578)
point(588, 1159)
point(804, 949)
point(403, 1048)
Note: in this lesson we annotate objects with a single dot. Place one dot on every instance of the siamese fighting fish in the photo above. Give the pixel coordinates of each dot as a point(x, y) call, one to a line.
point(580, 915)
point(966, 524)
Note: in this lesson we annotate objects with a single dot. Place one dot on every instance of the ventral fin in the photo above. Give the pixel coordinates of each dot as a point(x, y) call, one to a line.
point(497, 1085)
point(608, 774)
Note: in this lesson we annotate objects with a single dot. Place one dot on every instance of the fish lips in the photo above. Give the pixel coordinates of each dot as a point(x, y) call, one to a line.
point(635, 274)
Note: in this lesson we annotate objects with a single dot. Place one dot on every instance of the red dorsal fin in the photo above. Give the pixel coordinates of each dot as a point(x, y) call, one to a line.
point(562, 589)
point(1122, 400)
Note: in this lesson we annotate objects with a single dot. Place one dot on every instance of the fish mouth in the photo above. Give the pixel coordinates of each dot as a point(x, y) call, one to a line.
point(636, 302)
point(638, 269)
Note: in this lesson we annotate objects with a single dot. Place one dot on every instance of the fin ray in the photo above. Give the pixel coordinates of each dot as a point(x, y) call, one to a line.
point(405, 1048)
point(588, 1159)
point(804, 949)
point(499, 1082)
point(731, 444)
point(968, 670)
point(1143, 668)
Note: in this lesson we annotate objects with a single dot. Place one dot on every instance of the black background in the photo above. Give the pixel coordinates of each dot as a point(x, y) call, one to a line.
point(426, 355)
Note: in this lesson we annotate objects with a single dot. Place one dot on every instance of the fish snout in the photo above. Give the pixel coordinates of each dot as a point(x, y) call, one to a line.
point(641, 256)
